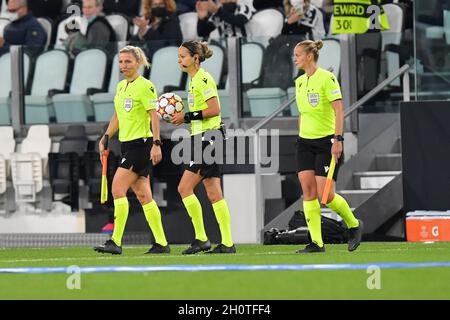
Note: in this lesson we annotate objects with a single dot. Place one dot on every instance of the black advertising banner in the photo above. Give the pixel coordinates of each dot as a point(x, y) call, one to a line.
point(425, 130)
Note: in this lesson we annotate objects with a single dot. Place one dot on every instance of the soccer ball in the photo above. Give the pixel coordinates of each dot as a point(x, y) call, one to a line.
point(168, 105)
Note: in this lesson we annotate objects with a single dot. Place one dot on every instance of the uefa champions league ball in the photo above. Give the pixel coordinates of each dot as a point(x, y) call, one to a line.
point(168, 105)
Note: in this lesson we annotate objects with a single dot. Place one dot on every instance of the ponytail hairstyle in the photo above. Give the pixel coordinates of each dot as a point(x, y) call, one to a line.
point(312, 47)
point(199, 48)
point(138, 53)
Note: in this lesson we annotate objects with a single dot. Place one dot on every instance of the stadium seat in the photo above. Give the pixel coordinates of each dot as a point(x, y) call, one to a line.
point(93, 170)
point(215, 64)
point(50, 73)
point(252, 56)
point(93, 174)
point(164, 72)
point(64, 178)
point(28, 167)
point(393, 36)
point(330, 56)
point(38, 141)
point(74, 141)
point(65, 166)
point(120, 25)
point(26, 173)
point(263, 101)
point(61, 33)
point(265, 24)
point(188, 25)
point(264, 97)
point(89, 72)
point(8, 145)
point(225, 103)
point(5, 87)
point(103, 102)
point(48, 27)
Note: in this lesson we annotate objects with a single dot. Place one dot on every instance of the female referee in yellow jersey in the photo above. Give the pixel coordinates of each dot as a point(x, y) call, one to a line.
point(321, 123)
point(204, 116)
point(134, 105)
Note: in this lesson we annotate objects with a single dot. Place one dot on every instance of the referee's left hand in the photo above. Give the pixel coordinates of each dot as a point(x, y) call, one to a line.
point(178, 118)
point(155, 154)
point(336, 149)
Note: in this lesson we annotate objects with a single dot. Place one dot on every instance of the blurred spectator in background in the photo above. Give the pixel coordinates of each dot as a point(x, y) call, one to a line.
point(303, 18)
point(227, 16)
point(159, 27)
point(266, 4)
point(326, 6)
point(24, 29)
point(4, 13)
point(75, 41)
point(46, 8)
point(407, 6)
point(128, 8)
point(99, 32)
point(184, 6)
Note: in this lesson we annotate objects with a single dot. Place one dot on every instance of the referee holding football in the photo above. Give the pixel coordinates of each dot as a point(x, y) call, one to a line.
point(321, 123)
point(134, 105)
point(204, 116)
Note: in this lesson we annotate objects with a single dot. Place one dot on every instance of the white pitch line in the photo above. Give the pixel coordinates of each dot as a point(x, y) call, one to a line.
point(111, 258)
point(201, 255)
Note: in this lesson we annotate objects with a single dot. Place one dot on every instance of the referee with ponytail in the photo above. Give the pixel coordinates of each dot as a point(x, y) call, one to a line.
point(204, 117)
point(321, 125)
point(135, 112)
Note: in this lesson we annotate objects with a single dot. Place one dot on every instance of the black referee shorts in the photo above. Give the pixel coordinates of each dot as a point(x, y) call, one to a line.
point(136, 155)
point(204, 167)
point(315, 154)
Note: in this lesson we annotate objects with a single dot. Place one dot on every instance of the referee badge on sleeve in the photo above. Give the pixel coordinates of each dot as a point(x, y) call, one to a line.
point(128, 104)
point(190, 99)
point(313, 99)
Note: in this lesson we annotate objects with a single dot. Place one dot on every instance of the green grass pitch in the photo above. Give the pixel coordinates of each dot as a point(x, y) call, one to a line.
point(409, 283)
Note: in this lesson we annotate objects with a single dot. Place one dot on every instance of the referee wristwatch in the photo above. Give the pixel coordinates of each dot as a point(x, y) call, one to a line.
point(338, 137)
point(157, 142)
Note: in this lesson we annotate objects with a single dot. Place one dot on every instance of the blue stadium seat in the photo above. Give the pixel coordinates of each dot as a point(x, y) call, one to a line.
point(48, 27)
point(252, 56)
point(64, 166)
point(263, 101)
point(50, 72)
point(164, 70)
point(188, 25)
point(120, 25)
point(265, 24)
point(89, 72)
point(103, 102)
